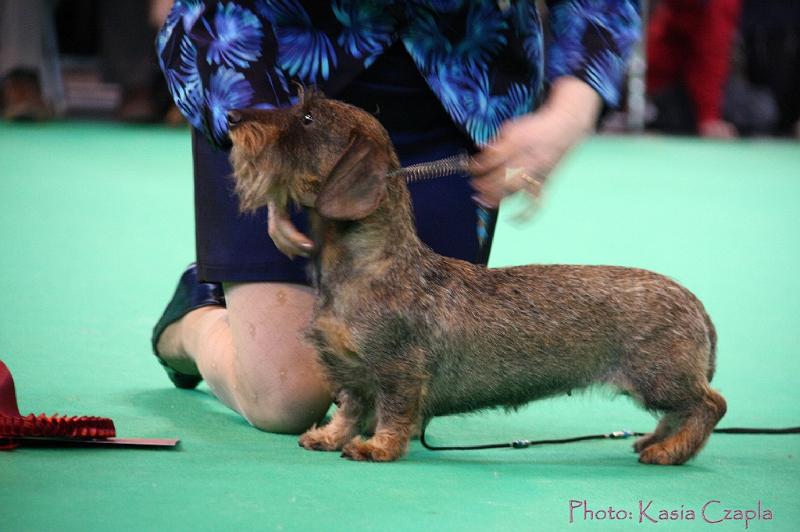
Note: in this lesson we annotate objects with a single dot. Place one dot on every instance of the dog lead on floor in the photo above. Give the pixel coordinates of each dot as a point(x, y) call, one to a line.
point(616, 435)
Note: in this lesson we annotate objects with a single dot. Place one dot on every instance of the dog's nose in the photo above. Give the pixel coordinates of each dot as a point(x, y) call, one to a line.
point(234, 117)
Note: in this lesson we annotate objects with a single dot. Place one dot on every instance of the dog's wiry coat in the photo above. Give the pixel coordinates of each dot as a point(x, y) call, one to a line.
point(404, 334)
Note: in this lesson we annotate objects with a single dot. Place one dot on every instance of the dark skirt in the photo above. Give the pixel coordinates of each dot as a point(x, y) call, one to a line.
point(234, 247)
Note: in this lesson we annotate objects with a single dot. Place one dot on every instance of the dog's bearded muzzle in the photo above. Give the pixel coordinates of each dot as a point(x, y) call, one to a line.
point(259, 174)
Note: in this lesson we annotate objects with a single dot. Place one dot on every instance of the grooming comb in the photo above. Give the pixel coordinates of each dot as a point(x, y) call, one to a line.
point(454, 164)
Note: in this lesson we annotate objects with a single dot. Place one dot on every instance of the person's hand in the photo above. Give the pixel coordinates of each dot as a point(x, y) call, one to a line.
point(529, 147)
point(285, 235)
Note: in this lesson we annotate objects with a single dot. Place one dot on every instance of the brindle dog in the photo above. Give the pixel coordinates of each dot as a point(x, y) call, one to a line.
point(404, 334)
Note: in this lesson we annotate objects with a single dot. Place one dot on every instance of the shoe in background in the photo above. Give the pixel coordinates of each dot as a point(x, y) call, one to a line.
point(22, 97)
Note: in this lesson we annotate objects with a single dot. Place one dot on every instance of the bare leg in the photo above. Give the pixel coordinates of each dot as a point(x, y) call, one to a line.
point(252, 356)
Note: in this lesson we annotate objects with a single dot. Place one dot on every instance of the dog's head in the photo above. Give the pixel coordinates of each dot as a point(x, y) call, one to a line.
point(319, 153)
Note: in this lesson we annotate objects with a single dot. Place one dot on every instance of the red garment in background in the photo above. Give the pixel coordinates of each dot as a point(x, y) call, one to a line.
point(690, 42)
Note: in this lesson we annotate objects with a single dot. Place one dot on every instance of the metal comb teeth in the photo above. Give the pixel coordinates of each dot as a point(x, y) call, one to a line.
point(455, 164)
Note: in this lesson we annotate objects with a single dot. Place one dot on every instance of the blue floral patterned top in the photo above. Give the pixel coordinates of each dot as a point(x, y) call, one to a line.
point(483, 59)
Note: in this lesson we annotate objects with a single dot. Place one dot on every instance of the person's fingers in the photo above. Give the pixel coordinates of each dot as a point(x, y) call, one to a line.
point(488, 161)
point(495, 155)
point(278, 239)
point(524, 172)
point(490, 189)
point(488, 169)
point(287, 247)
point(531, 183)
point(286, 236)
point(292, 242)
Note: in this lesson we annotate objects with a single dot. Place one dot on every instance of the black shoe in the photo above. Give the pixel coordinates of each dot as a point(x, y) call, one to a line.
point(189, 295)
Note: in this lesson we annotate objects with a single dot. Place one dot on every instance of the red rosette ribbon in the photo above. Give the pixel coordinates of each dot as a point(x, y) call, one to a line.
point(14, 425)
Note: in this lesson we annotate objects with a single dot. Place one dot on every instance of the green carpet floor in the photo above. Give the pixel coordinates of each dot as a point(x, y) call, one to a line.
point(96, 224)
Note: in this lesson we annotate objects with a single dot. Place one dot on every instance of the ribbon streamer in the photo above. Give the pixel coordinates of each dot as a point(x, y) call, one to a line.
point(14, 426)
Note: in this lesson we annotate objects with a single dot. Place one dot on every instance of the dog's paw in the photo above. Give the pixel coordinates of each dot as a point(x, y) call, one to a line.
point(368, 451)
point(657, 454)
point(645, 441)
point(319, 440)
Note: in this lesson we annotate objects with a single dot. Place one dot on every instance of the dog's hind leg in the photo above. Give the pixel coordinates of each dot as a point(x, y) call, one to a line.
point(343, 426)
point(665, 427)
point(669, 373)
point(692, 432)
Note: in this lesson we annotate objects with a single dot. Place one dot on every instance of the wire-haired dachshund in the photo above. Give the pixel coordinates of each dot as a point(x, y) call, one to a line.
point(405, 334)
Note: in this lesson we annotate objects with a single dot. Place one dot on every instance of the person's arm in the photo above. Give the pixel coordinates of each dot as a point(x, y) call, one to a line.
point(592, 41)
point(532, 145)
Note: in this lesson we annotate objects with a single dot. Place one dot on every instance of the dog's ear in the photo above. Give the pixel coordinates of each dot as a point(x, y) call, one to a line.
point(357, 182)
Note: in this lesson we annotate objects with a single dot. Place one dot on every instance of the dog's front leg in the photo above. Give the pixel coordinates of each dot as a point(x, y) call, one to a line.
point(398, 416)
point(398, 404)
point(343, 426)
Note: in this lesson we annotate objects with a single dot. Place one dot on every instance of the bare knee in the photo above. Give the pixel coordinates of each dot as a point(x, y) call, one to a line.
point(278, 385)
point(285, 411)
point(283, 393)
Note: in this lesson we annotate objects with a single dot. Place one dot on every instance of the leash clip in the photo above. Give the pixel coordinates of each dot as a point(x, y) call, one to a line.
point(620, 434)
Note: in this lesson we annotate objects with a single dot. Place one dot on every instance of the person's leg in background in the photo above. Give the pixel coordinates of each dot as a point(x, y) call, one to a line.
point(127, 56)
point(667, 48)
point(708, 66)
point(771, 35)
point(29, 62)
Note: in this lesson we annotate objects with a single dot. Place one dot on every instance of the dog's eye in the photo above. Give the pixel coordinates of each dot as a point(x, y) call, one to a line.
point(307, 119)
